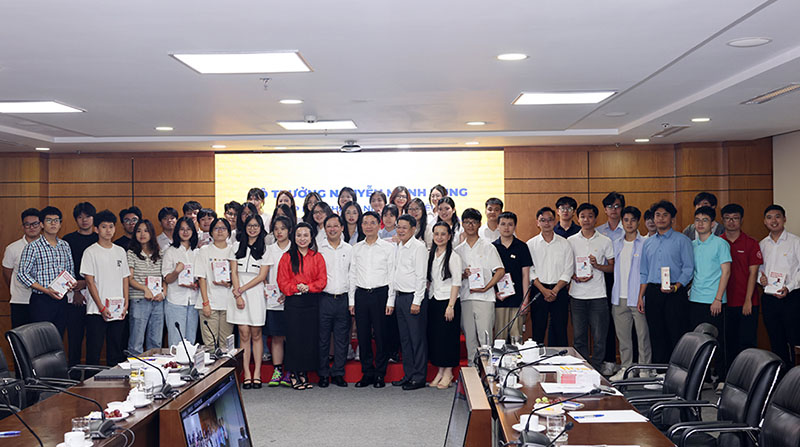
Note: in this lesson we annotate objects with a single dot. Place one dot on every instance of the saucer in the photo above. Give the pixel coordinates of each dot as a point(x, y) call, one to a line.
point(142, 404)
point(86, 443)
point(519, 427)
point(125, 407)
point(177, 384)
point(121, 418)
point(515, 386)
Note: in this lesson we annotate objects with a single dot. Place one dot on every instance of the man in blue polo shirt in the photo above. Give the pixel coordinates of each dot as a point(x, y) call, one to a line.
point(712, 269)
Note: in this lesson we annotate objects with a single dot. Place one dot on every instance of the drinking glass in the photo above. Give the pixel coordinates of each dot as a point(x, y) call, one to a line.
point(81, 424)
point(555, 425)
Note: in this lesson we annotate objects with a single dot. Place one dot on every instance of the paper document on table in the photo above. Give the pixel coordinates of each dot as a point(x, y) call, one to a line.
point(562, 360)
point(607, 416)
point(561, 388)
point(557, 368)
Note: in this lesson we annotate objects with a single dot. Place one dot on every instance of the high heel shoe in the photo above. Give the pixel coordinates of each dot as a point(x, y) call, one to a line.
point(247, 384)
point(434, 383)
point(445, 383)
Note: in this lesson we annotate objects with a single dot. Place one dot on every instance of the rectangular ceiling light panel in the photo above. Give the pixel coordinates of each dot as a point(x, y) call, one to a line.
point(769, 96)
point(318, 125)
point(243, 63)
point(557, 98)
point(36, 107)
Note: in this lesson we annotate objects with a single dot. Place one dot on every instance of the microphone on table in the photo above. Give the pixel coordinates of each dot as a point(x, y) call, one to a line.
point(166, 388)
point(507, 347)
point(102, 429)
point(500, 360)
point(517, 396)
point(193, 373)
point(15, 411)
point(567, 427)
point(528, 436)
point(217, 350)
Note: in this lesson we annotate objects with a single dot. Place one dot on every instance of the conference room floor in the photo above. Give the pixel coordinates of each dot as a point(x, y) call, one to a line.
point(348, 416)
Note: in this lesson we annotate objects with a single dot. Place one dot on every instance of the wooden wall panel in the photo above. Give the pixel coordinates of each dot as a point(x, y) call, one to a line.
point(656, 161)
point(522, 164)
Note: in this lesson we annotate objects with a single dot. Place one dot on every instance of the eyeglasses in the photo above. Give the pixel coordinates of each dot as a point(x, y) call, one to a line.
point(318, 212)
point(566, 209)
point(731, 218)
point(221, 229)
point(253, 227)
point(30, 224)
point(230, 213)
point(130, 221)
point(52, 220)
point(615, 206)
point(469, 222)
point(702, 220)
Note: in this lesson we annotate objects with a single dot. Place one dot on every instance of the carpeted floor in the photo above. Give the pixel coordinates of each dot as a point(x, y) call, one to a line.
point(348, 416)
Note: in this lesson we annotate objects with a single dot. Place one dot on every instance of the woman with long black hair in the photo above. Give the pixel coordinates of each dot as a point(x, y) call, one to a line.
point(444, 309)
point(301, 278)
point(352, 218)
point(447, 214)
point(416, 208)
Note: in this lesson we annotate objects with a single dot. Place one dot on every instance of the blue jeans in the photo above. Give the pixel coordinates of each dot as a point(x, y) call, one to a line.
point(186, 316)
point(590, 315)
point(147, 325)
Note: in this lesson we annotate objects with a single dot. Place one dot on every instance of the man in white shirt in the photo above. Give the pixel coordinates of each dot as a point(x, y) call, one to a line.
point(553, 266)
point(371, 298)
point(490, 231)
point(104, 266)
point(780, 276)
point(334, 316)
point(477, 305)
point(168, 217)
point(613, 203)
point(411, 263)
point(594, 256)
point(20, 295)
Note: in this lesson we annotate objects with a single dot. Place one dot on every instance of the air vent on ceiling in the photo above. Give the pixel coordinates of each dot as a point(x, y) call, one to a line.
point(8, 143)
point(769, 96)
point(669, 131)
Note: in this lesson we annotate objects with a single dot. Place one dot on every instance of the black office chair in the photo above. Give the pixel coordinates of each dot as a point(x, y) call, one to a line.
point(780, 426)
point(683, 380)
point(39, 354)
point(12, 391)
point(748, 387)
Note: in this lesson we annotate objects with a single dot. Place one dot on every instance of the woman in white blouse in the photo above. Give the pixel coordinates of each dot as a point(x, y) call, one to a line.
point(214, 276)
point(447, 213)
point(444, 309)
point(179, 268)
point(424, 233)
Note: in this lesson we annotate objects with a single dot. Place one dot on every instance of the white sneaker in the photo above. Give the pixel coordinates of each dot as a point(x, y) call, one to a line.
point(266, 357)
point(618, 376)
point(720, 387)
point(608, 368)
point(358, 356)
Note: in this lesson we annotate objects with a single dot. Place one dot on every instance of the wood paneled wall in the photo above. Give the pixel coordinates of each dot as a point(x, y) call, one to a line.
point(108, 180)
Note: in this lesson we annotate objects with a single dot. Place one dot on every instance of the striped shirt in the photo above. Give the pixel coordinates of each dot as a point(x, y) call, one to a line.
point(41, 263)
point(142, 268)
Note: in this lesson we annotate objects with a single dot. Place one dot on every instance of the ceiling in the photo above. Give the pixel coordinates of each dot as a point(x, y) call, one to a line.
point(411, 72)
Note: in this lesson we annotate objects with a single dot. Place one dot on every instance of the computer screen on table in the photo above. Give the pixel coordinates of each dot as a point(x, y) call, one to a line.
point(459, 416)
point(217, 417)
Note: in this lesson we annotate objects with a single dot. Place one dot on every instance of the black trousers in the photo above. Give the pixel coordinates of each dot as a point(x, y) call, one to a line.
point(392, 331)
point(370, 310)
point(558, 314)
point(701, 313)
point(98, 331)
point(413, 336)
point(667, 319)
point(76, 329)
point(45, 308)
point(334, 318)
point(741, 331)
point(611, 335)
point(783, 329)
point(20, 315)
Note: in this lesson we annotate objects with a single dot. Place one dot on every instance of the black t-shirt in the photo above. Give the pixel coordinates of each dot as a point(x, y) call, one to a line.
point(573, 229)
point(123, 242)
point(78, 243)
point(516, 257)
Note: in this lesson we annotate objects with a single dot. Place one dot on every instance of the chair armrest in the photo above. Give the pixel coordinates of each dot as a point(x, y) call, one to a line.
point(640, 381)
point(657, 408)
point(638, 366)
point(57, 382)
point(653, 398)
point(674, 429)
point(84, 368)
point(719, 427)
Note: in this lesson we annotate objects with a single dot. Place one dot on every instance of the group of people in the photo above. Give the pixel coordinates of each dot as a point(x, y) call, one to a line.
point(410, 276)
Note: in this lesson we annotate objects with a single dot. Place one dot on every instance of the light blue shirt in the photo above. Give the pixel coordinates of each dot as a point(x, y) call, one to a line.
point(634, 275)
point(383, 233)
point(673, 250)
point(614, 235)
point(708, 257)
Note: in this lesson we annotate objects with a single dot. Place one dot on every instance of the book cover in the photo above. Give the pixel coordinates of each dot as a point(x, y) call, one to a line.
point(505, 286)
point(665, 279)
point(476, 280)
point(62, 283)
point(116, 307)
point(775, 282)
point(154, 284)
point(186, 276)
point(583, 268)
point(222, 271)
point(272, 293)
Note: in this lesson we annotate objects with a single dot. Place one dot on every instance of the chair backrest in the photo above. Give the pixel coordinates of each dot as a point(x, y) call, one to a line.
point(707, 328)
point(688, 365)
point(38, 351)
point(5, 373)
point(781, 425)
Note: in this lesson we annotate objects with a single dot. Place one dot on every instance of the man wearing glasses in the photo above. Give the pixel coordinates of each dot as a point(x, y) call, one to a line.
point(41, 262)
point(700, 200)
point(566, 227)
point(20, 294)
point(613, 204)
point(129, 217)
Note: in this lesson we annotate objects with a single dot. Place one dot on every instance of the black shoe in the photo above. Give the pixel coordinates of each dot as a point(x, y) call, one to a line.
point(324, 382)
point(339, 381)
point(257, 384)
point(365, 381)
point(400, 382)
point(413, 385)
point(247, 384)
point(379, 383)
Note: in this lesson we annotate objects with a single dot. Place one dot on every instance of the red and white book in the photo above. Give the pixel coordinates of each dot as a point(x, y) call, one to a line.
point(221, 270)
point(775, 282)
point(62, 283)
point(116, 306)
point(155, 284)
point(476, 279)
point(505, 287)
point(186, 276)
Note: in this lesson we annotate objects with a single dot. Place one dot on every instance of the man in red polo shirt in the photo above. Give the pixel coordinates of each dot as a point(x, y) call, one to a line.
point(741, 314)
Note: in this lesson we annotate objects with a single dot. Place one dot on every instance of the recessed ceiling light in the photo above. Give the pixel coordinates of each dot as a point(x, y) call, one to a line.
point(42, 148)
point(232, 63)
point(642, 140)
point(701, 120)
point(36, 107)
point(164, 128)
point(318, 125)
point(403, 146)
point(476, 123)
point(615, 114)
point(769, 96)
point(291, 101)
point(218, 146)
point(749, 42)
point(280, 147)
point(471, 143)
point(512, 57)
point(553, 98)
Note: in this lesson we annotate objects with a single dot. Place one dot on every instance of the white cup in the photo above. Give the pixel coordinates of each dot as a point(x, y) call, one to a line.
point(498, 344)
point(173, 378)
point(137, 396)
point(530, 376)
point(534, 421)
point(73, 439)
point(511, 380)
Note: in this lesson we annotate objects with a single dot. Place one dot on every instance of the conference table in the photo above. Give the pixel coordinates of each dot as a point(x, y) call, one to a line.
point(641, 434)
point(52, 417)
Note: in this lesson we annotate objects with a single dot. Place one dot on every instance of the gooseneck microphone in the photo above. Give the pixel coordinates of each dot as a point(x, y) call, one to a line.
point(500, 360)
point(517, 396)
point(526, 434)
point(14, 411)
point(217, 350)
point(166, 388)
point(567, 427)
point(517, 315)
point(193, 373)
point(103, 429)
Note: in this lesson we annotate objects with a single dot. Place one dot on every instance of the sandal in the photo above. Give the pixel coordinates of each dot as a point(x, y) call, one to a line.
point(297, 382)
point(247, 384)
point(305, 384)
point(257, 384)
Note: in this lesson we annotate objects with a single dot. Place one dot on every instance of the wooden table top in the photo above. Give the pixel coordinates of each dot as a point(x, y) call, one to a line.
point(52, 417)
point(642, 434)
